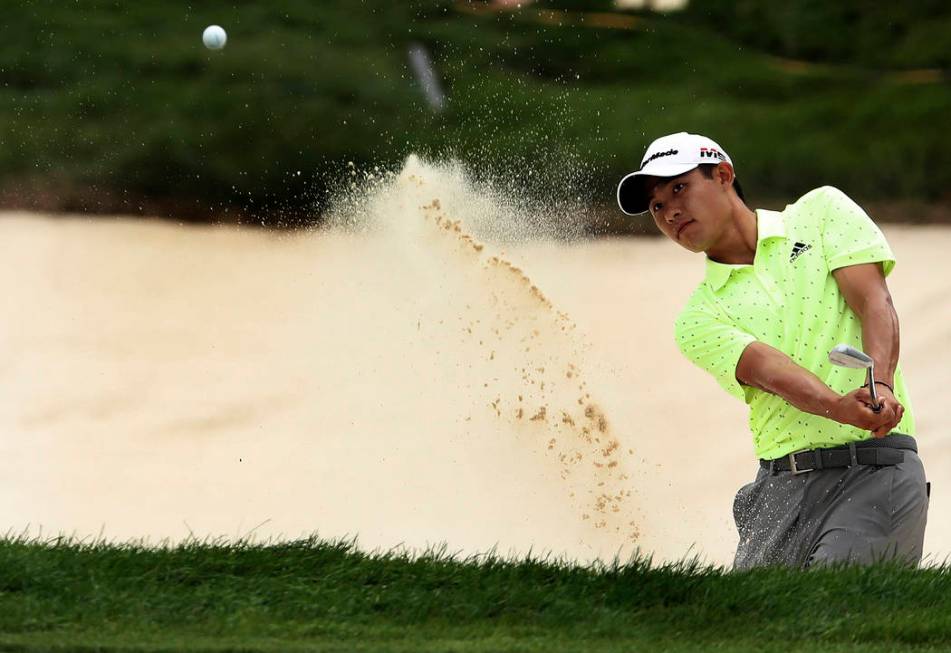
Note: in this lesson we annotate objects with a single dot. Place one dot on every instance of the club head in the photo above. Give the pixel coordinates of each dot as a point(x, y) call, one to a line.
point(847, 356)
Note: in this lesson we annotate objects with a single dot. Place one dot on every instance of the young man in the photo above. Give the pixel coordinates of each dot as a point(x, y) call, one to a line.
point(838, 481)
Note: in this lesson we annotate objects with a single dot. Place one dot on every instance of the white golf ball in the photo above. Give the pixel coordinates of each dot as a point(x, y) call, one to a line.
point(214, 37)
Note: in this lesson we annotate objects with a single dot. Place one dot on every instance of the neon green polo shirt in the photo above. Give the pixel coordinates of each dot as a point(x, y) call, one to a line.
point(789, 300)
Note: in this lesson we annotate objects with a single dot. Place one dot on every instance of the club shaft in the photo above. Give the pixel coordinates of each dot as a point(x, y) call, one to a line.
point(871, 388)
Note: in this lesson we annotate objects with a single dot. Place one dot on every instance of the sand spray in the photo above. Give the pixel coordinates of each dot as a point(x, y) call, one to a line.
point(522, 359)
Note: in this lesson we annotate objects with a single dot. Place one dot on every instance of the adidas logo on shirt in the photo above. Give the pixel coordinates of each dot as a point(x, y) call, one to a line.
point(798, 248)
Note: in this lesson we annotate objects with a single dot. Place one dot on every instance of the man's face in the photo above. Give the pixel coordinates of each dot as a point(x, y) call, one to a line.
point(691, 209)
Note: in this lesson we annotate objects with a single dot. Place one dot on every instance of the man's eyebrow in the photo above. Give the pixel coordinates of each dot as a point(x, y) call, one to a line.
point(655, 185)
point(659, 184)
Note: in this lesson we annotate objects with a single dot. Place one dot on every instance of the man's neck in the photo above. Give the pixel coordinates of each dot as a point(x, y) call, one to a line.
point(738, 243)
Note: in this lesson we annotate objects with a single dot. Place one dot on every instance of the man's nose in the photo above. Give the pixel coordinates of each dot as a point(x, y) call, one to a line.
point(672, 214)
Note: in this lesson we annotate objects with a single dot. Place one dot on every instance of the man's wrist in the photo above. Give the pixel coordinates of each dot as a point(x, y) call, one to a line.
point(827, 400)
point(891, 388)
point(885, 373)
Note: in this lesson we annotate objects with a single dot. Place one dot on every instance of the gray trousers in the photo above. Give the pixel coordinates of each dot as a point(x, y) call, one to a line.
point(860, 515)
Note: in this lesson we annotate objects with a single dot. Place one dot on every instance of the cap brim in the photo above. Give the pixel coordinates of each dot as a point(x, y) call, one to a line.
point(632, 196)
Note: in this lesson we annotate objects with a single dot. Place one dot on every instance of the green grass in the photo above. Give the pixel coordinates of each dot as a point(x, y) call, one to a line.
point(328, 596)
point(110, 106)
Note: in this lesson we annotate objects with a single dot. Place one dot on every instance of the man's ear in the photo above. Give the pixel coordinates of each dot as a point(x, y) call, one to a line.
point(725, 174)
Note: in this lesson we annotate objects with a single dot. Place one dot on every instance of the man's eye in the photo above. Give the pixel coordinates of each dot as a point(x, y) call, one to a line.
point(679, 187)
point(657, 207)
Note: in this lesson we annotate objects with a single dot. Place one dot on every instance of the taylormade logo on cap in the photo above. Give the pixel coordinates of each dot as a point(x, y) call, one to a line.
point(668, 156)
point(657, 155)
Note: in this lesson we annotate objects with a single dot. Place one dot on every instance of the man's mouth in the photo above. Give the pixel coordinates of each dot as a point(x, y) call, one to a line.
point(682, 227)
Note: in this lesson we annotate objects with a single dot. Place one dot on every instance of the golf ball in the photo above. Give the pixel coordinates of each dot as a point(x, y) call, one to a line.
point(214, 37)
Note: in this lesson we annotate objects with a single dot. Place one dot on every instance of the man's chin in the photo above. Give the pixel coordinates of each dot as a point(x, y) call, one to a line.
point(690, 246)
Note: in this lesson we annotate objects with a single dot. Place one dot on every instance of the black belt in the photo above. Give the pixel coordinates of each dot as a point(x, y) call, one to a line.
point(889, 450)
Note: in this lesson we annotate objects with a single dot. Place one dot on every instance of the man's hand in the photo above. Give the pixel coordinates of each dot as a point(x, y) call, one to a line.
point(891, 408)
point(855, 408)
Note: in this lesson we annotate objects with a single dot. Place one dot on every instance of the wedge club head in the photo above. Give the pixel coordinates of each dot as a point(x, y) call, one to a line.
point(847, 356)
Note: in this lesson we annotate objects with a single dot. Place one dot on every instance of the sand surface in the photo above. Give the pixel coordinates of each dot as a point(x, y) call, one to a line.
point(405, 380)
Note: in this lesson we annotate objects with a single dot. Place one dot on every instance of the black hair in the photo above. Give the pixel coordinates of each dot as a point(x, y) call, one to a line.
point(706, 169)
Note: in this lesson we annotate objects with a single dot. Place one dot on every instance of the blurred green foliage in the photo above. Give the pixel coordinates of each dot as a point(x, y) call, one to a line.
point(884, 35)
point(109, 105)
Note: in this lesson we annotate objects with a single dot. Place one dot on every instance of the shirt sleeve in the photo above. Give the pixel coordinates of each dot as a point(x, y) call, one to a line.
point(849, 235)
point(714, 345)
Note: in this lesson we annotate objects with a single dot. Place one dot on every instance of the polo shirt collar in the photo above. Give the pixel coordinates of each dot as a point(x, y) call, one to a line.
point(769, 224)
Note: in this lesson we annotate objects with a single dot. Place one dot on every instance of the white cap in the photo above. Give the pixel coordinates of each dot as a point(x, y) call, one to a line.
point(668, 156)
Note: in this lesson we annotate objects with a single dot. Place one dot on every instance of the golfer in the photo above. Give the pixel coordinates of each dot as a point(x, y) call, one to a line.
point(837, 481)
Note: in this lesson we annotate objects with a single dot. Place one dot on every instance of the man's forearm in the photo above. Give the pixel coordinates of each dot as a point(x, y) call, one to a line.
point(866, 293)
point(769, 369)
point(880, 338)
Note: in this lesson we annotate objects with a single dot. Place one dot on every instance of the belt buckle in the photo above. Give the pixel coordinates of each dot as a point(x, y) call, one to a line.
point(792, 463)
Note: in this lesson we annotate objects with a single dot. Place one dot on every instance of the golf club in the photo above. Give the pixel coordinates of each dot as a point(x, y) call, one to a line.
point(847, 356)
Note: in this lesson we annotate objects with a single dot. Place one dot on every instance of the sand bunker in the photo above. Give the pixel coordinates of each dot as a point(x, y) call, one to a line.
point(415, 375)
